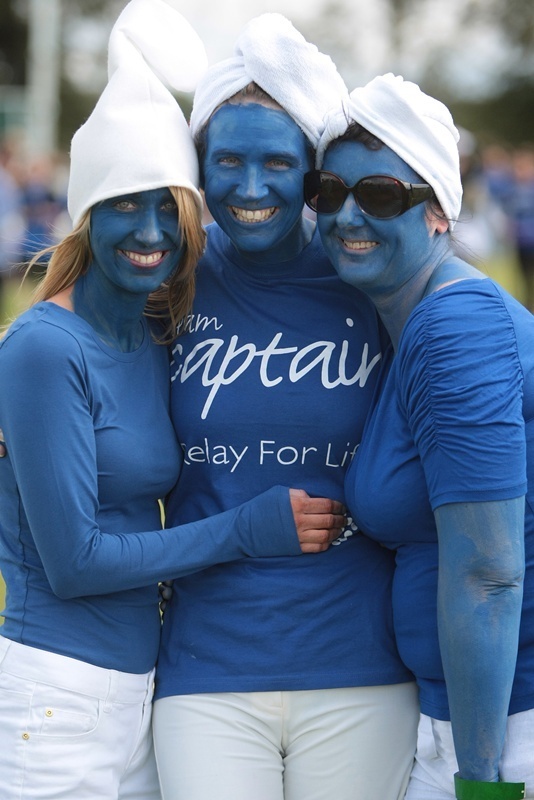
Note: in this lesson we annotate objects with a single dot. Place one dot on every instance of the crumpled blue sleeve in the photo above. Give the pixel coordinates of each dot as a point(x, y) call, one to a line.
point(461, 386)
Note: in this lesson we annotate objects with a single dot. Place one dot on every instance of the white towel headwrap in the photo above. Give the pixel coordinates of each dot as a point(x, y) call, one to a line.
point(273, 54)
point(137, 137)
point(417, 127)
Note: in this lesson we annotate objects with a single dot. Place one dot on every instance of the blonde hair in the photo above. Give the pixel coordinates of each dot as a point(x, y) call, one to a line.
point(170, 303)
point(174, 299)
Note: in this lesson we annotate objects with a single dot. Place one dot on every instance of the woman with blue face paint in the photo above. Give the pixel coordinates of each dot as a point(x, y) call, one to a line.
point(275, 679)
point(84, 404)
point(446, 459)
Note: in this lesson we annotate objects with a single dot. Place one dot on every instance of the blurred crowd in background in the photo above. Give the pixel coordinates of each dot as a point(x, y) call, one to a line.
point(33, 212)
point(495, 230)
point(496, 226)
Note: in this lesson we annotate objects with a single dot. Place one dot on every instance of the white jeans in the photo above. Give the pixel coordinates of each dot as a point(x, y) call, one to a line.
point(432, 777)
point(328, 744)
point(73, 731)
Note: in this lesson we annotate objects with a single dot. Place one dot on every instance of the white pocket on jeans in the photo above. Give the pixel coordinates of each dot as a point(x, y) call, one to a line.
point(61, 713)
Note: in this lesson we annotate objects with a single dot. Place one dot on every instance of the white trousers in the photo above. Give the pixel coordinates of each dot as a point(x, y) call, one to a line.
point(73, 731)
point(432, 777)
point(328, 744)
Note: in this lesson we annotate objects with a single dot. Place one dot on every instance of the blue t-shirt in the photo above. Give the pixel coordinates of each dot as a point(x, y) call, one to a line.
point(270, 385)
point(91, 448)
point(452, 421)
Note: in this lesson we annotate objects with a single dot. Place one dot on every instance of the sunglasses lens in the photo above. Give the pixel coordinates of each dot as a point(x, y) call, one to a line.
point(323, 192)
point(332, 194)
point(381, 197)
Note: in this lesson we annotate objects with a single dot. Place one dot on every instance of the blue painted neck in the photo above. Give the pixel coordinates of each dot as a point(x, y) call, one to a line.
point(396, 304)
point(115, 314)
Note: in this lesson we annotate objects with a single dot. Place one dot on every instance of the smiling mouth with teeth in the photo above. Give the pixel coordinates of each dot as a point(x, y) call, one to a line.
point(359, 245)
point(258, 215)
point(144, 259)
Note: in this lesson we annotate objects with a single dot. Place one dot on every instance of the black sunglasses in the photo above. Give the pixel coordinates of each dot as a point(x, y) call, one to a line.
point(379, 196)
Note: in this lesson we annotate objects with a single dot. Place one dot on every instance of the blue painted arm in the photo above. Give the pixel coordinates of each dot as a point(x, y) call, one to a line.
point(481, 565)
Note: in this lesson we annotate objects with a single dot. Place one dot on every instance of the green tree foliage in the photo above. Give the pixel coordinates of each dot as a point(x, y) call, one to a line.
point(506, 113)
point(514, 18)
point(13, 40)
point(338, 30)
point(508, 117)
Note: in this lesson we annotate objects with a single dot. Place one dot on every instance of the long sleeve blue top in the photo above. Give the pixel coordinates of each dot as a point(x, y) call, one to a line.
point(91, 450)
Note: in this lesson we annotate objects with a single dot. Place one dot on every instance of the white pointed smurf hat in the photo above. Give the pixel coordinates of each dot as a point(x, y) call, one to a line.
point(137, 137)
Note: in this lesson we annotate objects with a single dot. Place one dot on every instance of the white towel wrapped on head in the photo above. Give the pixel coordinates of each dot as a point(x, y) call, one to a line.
point(137, 137)
point(417, 127)
point(273, 54)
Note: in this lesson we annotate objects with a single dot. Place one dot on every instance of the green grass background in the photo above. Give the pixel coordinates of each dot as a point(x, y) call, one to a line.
point(503, 269)
point(15, 299)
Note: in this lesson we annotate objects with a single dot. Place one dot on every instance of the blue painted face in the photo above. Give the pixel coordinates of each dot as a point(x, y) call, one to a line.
point(375, 255)
point(254, 165)
point(135, 241)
